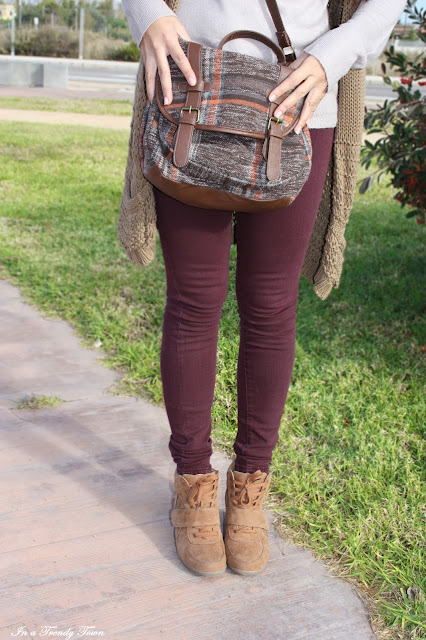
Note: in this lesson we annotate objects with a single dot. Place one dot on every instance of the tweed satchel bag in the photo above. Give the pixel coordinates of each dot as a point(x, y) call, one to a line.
point(218, 145)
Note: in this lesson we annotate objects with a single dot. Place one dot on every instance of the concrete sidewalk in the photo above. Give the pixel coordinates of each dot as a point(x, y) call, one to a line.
point(86, 497)
point(103, 121)
point(89, 120)
point(76, 90)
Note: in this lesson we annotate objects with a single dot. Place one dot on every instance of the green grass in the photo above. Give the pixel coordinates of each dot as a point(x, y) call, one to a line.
point(348, 479)
point(102, 107)
point(39, 402)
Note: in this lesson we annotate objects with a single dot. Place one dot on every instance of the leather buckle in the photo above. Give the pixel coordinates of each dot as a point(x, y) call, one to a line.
point(277, 120)
point(189, 109)
point(289, 50)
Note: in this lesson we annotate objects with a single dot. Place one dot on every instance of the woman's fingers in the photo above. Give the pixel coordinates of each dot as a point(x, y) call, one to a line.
point(159, 41)
point(293, 79)
point(312, 101)
point(299, 92)
point(150, 70)
point(165, 78)
point(308, 78)
point(183, 63)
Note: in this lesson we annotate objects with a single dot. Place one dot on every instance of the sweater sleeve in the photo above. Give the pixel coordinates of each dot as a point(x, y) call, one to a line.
point(357, 42)
point(141, 14)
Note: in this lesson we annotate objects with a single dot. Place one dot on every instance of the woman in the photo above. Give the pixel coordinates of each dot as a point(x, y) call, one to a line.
point(271, 248)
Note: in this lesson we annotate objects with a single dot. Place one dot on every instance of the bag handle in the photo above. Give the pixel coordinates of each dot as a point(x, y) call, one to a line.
point(253, 35)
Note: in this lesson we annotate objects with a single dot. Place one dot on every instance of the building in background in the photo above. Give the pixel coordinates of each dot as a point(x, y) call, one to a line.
point(6, 11)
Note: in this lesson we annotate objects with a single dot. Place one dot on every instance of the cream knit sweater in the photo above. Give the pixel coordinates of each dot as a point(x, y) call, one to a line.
point(354, 45)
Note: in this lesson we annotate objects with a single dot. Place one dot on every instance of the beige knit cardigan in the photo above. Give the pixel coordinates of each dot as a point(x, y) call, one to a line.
point(136, 229)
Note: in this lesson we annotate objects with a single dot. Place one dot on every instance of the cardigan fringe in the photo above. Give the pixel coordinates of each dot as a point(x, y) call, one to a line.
point(136, 228)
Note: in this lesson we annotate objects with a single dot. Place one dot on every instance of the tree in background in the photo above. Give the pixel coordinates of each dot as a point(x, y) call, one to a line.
point(100, 15)
point(401, 151)
point(106, 31)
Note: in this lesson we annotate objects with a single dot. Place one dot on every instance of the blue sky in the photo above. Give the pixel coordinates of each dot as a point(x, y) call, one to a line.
point(420, 4)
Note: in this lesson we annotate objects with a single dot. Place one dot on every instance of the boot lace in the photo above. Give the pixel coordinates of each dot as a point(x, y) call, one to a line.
point(246, 494)
point(201, 494)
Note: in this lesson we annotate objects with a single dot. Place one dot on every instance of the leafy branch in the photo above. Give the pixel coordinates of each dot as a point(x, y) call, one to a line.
point(401, 150)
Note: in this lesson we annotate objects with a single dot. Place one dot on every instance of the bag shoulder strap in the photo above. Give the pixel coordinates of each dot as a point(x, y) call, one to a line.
point(282, 35)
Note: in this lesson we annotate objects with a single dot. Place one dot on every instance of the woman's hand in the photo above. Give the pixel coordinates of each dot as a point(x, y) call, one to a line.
point(310, 79)
point(160, 40)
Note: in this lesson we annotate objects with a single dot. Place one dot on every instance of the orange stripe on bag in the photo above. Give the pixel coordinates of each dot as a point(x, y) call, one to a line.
point(217, 65)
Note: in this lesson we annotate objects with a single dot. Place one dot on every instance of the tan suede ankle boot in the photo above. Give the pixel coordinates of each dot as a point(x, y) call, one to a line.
point(246, 525)
point(195, 517)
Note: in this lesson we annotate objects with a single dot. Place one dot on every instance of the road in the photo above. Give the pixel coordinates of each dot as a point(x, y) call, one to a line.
point(113, 76)
point(374, 92)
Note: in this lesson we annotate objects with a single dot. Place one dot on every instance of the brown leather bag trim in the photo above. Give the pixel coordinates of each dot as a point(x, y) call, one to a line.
point(276, 132)
point(187, 118)
point(184, 86)
point(273, 105)
point(210, 127)
point(206, 198)
point(258, 135)
point(282, 35)
point(254, 35)
point(270, 152)
point(273, 164)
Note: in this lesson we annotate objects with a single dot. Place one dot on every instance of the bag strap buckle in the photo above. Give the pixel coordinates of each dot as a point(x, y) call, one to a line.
point(189, 109)
point(279, 121)
point(187, 122)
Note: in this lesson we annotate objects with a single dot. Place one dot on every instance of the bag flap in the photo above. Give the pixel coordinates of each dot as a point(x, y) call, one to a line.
point(236, 96)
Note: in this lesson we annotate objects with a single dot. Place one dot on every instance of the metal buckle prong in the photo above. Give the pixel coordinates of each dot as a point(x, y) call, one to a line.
point(278, 120)
point(189, 109)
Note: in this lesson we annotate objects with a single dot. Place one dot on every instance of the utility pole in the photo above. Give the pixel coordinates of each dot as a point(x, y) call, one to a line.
point(19, 13)
point(81, 40)
point(12, 33)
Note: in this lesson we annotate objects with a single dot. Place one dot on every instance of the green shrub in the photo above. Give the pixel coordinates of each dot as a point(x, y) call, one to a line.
point(4, 41)
point(411, 35)
point(129, 53)
point(61, 42)
point(118, 28)
point(44, 41)
point(119, 33)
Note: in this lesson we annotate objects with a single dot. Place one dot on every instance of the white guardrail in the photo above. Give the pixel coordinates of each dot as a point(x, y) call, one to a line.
point(55, 72)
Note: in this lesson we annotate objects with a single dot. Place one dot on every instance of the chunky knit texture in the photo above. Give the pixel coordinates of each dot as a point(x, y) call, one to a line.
point(136, 230)
point(324, 258)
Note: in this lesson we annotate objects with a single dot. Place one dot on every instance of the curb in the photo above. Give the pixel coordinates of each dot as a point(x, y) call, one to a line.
point(74, 62)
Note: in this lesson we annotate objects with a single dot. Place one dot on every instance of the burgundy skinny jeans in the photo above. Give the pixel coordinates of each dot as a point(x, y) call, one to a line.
point(271, 248)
